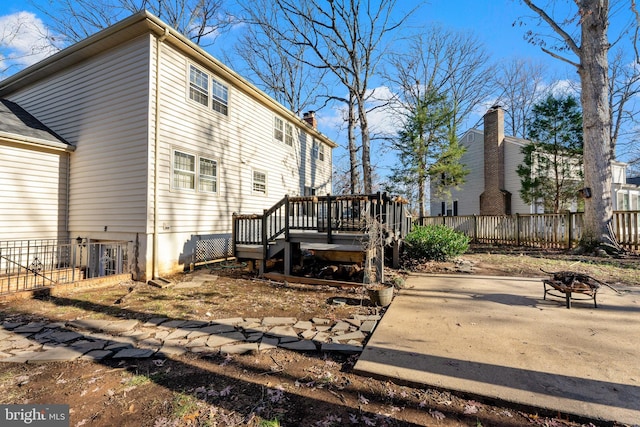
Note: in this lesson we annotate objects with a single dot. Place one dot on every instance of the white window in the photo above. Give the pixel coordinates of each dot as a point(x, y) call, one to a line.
point(315, 149)
point(321, 152)
point(184, 171)
point(278, 129)
point(187, 177)
point(288, 134)
point(198, 86)
point(199, 83)
point(259, 182)
point(220, 97)
point(208, 176)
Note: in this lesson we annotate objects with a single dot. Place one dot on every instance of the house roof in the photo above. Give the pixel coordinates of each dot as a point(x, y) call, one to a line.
point(138, 24)
point(635, 180)
point(17, 125)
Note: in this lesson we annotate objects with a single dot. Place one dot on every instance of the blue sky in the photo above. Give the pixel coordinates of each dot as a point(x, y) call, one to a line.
point(490, 21)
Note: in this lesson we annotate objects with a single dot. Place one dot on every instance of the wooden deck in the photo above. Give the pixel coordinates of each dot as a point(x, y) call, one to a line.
point(319, 223)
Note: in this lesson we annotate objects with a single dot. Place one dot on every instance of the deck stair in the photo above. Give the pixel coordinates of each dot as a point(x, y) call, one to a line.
point(323, 223)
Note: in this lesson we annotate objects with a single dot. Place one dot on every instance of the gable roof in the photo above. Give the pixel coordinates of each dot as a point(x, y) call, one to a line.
point(136, 25)
point(17, 125)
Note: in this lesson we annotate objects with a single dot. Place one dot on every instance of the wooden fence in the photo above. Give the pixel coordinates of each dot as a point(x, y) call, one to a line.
point(538, 230)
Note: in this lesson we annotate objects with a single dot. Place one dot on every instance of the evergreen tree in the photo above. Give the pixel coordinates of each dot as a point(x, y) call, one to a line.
point(428, 148)
point(552, 171)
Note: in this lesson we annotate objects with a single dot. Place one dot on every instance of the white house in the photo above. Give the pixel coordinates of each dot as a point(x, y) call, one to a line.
point(492, 186)
point(144, 137)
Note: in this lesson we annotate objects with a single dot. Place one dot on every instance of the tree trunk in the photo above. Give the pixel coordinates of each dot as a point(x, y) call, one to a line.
point(353, 159)
point(596, 124)
point(366, 156)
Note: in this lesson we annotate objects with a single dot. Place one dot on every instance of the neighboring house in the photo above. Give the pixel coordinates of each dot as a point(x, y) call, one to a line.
point(152, 141)
point(492, 186)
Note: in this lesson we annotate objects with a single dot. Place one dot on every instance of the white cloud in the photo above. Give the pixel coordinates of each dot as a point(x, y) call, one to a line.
point(24, 40)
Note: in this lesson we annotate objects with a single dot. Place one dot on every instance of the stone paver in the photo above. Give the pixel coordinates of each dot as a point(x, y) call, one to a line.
point(241, 348)
point(277, 321)
point(133, 353)
point(302, 345)
point(98, 339)
point(224, 339)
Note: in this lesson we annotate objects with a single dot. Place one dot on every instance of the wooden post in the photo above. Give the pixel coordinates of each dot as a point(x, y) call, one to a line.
point(329, 226)
point(265, 243)
point(396, 253)
point(287, 213)
point(517, 229)
point(234, 234)
point(287, 258)
point(570, 227)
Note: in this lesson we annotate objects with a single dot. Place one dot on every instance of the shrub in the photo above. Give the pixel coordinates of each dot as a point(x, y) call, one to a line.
point(436, 243)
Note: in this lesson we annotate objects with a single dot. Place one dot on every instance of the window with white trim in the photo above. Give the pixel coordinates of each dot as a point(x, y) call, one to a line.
point(321, 152)
point(191, 172)
point(288, 134)
point(219, 97)
point(315, 149)
point(259, 182)
point(208, 176)
point(199, 84)
point(184, 171)
point(278, 129)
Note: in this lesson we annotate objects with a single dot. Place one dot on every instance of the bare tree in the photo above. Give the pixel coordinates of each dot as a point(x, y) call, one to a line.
point(24, 40)
point(280, 67)
point(624, 87)
point(521, 85)
point(444, 61)
point(347, 38)
point(199, 20)
point(590, 44)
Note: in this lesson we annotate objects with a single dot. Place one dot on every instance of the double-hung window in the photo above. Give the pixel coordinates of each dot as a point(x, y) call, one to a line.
point(315, 149)
point(278, 129)
point(206, 90)
point(259, 182)
point(288, 134)
point(321, 152)
point(208, 176)
point(220, 97)
point(196, 173)
point(199, 86)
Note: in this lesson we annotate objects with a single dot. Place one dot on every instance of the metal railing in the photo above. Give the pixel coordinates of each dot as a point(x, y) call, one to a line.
point(538, 230)
point(32, 264)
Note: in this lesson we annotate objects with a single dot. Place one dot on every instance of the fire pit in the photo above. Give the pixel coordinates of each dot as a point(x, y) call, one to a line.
point(570, 283)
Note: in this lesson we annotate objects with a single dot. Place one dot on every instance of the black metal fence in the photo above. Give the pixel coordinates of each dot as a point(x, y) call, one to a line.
point(32, 264)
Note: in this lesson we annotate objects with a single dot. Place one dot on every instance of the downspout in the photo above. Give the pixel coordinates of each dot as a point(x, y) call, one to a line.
point(159, 41)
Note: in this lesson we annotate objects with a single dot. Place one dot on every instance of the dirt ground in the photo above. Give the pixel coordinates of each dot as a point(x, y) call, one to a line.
point(271, 388)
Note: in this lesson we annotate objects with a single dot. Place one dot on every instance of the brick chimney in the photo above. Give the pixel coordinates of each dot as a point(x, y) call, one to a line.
point(310, 118)
point(495, 200)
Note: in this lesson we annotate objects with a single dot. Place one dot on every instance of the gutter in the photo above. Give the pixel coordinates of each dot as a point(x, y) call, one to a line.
point(156, 155)
point(36, 142)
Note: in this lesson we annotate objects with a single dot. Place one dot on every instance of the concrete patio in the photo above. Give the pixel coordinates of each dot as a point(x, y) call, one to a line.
point(496, 337)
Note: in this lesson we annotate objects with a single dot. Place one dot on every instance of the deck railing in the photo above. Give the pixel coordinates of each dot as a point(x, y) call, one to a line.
point(538, 230)
point(326, 214)
point(33, 264)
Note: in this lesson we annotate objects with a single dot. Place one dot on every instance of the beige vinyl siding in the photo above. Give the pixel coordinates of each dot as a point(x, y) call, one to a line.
point(468, 196)
point(102, 107)
point(240, 142)
point(512, 158)
point(33, 193)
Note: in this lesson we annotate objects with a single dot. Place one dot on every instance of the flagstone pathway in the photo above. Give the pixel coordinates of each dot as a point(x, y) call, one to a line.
point(42, 342)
